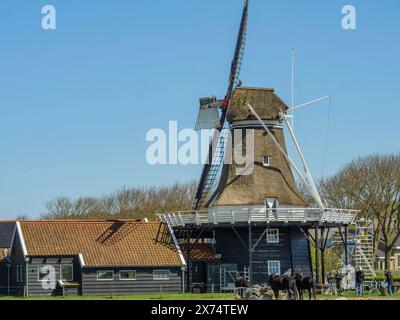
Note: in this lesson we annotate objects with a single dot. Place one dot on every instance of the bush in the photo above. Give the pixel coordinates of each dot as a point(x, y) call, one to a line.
point(380, 276)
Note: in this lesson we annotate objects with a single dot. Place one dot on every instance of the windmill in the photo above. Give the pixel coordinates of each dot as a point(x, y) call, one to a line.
point(256, 223)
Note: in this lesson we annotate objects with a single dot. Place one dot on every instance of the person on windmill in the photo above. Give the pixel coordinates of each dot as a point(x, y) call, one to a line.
point(359, 282)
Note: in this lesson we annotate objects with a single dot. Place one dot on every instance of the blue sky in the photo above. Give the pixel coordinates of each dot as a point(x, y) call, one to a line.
point(76, 102)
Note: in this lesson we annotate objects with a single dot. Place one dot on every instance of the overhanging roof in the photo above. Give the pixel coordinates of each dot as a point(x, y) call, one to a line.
point(101, 243)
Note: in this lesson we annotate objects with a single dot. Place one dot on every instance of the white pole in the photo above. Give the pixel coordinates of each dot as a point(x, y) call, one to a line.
point(314, 189)
point(308, 103)
point(279, 146)
point(292, 104)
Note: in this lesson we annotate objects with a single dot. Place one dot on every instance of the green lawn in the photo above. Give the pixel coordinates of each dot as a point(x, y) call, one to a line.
point(348, 295)
point(177, 296)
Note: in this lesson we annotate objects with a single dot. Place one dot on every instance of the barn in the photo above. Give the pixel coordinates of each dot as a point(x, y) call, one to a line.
point(91, 258)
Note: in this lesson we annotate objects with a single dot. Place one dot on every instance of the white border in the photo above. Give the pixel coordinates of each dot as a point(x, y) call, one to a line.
point(81, 261)
point(67, 280)
point(21, 237)
point(97, 275)
point(275, 229)
point(162, 270)
point(268, 163)
point(274, 261)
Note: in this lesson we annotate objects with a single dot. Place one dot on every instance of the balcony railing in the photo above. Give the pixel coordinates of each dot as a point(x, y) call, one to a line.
point(251, 215)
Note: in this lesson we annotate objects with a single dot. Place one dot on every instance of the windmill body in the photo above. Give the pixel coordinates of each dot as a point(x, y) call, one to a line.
point(271, 182)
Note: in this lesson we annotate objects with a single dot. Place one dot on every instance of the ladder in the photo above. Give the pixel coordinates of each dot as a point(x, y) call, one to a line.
point(222, 278)
point(246, 273)
point(217, 160)
point(364, 249)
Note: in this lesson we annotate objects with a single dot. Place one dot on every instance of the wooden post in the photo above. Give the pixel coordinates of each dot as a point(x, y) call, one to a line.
point(323, 243)
point(309, 249)
point(8, 280)
point(346, 253)
point(250, 255)
point(183, 280)
point(189, 262)
point(291, 251)
point(317, 254)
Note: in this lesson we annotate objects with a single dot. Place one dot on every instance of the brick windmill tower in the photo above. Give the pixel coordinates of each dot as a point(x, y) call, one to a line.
point(257, 223)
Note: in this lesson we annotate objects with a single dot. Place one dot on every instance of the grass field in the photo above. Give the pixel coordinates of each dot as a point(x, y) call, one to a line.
point(349, 295)
point(178, 296)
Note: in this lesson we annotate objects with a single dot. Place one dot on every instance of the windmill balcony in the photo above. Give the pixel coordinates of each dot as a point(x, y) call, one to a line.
point(259, 215)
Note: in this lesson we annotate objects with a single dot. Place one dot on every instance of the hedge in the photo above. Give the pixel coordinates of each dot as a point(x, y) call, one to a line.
point(380, 276)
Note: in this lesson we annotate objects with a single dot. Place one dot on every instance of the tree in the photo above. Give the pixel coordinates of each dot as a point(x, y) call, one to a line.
point(23, 217)
point(126, 203)
point(370, 184)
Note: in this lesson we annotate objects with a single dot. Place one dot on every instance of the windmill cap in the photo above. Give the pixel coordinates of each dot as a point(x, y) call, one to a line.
point(264, 101)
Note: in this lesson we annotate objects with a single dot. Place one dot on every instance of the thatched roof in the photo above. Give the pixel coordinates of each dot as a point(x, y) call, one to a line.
point(266, 103)
point(275, 181)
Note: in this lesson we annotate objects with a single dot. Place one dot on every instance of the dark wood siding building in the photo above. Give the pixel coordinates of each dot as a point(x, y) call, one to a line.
point(96, 258)
point(280, 249)
point(7, 230)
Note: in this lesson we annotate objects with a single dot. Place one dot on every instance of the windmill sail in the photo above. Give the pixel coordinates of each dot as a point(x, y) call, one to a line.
point(210, 170)
point(208, 117)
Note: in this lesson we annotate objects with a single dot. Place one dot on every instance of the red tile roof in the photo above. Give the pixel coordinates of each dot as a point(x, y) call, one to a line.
point(200, 251)
point(101, 243)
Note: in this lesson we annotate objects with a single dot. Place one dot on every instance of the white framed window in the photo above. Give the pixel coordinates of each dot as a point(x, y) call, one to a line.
point(271, 203)
point(43, 273)
point(274, 267)
point(105, 275)
point(127, 275)
point(266, 161)
point(21, 273)
point(161, 275)
point(67, 272)
point(272, 235)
